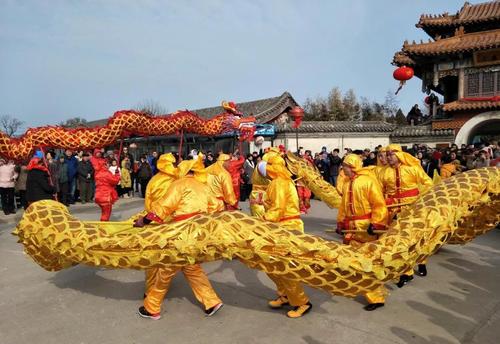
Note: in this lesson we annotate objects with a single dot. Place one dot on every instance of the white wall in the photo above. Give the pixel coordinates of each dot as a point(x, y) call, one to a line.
point(315, 144)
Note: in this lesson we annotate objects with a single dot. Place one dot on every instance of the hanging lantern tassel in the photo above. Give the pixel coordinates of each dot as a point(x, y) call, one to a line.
point(402, 74)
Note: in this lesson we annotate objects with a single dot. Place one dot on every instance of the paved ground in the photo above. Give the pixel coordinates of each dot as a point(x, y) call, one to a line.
point(459, 302)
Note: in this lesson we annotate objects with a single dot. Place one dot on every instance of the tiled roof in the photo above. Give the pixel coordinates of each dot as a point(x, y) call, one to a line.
point(460, 105)
point(457, 44)
point(337, 127)
point(401, 59)
point(421, 130)
point(264, 110)
point(469, 14)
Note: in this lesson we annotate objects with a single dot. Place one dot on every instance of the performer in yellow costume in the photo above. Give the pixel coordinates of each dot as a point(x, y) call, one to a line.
point(186, 197)
point(282, 206)
point(362, 211)
point(381, 162)
point(259, 186)
point(221, 184)
point(155, 192)
point(402, 181)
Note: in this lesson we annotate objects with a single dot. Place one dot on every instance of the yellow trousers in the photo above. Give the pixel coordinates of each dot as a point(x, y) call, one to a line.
point(292, 290)
point(376, 296)
point(159, 283)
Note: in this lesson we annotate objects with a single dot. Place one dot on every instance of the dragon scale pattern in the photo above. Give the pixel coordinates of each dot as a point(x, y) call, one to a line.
point(454, 211)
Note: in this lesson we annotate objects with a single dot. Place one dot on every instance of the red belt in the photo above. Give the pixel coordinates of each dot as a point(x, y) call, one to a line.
point(296, 217)
point(348, 219)
point(184, 216)
point(404, 194)
point(408, 193)
point(258, 200)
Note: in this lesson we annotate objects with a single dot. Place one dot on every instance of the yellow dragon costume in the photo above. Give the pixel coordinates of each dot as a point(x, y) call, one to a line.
point(454, 211)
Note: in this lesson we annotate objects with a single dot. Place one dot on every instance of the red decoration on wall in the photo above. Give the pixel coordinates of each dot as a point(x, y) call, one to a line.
point(297, 113)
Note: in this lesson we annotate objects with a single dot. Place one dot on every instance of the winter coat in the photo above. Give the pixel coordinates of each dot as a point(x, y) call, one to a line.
point(85, 171)
point(8, 175)
point(54, 174)
point(72, 167)
point(22, 172)
point(63, 173)
point(37, 182)
point(125, 181)
point(144, 171)
point(105, 185)
point(335, 162)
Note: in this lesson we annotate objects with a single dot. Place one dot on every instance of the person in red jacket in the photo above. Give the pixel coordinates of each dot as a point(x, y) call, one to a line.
point(234, 168)
point(105, 188)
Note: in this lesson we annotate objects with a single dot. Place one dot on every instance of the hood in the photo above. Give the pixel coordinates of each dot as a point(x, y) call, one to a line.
point(276, 167)
point(403, 157)
point(34, 164)
point(196, 166)
point(166, 163)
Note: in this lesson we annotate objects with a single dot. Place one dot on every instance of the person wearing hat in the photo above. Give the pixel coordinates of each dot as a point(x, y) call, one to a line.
point(402, 181)
point(260, 184)
point(381, 161)
point(38, 183)
point(156, 191)
point(187, 197)
point(362, 210)
point(282, 207)
point(221, 184)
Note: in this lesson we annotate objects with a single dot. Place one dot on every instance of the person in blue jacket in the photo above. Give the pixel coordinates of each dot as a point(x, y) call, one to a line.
point(72, 163)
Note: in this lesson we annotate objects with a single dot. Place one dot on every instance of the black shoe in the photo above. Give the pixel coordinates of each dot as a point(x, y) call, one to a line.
point(373, 306)
point(145, 314)
point(422, 270)
point(403, 280)
point(211, 311)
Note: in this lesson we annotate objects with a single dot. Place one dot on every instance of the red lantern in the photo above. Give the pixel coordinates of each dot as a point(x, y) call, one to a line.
point(402, 74)
point(297, 113)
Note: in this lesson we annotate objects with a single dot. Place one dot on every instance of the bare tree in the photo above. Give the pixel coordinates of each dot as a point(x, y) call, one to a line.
point(151, 107)
point(10, 125)
point(76, 122)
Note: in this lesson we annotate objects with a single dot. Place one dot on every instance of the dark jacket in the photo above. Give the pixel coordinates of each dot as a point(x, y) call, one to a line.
point(38, 186)
point(144, 172)
point(335, 162)
point(63, 173)
point(72, 167)
point(85, 171)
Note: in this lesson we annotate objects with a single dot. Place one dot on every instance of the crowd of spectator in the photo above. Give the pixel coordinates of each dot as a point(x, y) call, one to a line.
point(72, 173)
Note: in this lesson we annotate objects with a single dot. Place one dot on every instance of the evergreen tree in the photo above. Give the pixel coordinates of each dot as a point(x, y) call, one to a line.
point(334, 102)
point(400, 118)
point(350, 105)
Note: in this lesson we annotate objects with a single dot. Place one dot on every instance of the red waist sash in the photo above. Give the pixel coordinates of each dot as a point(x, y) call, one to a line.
point(185, 216)
point(296, 217)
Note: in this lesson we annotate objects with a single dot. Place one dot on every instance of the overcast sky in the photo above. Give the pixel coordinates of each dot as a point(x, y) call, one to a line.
point(61, 59)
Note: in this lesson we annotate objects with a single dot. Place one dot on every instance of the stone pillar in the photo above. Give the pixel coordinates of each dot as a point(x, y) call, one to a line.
point(461, 83)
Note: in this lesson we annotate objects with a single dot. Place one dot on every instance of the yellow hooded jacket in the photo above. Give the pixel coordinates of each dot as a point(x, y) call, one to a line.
point(362, 202)
point(259, 187)
point(402, 184)
point(158, 185)
point(189, 195)
point(220, 183)
point(282, 201)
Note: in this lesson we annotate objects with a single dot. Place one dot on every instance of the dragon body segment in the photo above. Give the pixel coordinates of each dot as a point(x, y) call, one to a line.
point(456, 210)
point(122, 124)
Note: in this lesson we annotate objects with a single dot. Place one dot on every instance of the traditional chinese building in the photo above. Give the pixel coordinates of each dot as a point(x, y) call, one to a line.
point(461, 62)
